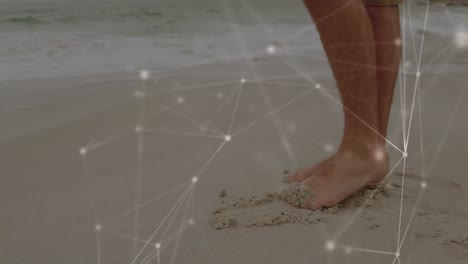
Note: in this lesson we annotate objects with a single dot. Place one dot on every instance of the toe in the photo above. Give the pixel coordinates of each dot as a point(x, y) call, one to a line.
point(324, 201)
point(313, 204)
point(311, 183)
point(297, 176)
point(303, 174)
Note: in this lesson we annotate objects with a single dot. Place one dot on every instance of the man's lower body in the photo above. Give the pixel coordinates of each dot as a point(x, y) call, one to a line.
point(362, 41)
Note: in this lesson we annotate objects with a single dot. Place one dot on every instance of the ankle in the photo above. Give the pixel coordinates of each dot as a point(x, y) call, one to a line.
point(369, 151)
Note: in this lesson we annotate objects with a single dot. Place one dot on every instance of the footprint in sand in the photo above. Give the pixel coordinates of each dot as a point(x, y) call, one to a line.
point(279, 208)
point(456, 247)
point(268, 210)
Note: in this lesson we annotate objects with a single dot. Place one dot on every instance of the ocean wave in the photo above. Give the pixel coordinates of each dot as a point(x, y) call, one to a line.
point(23, 20)
point(48, 17)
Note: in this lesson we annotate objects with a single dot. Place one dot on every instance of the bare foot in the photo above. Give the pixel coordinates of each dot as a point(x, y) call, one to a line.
point(304, 173)
point(344, 175)
point(301, 175)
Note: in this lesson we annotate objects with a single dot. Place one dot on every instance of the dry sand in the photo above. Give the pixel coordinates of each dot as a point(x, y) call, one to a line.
point(284, 207)
point(266, 210)
point(51, 202)
point(54, 206)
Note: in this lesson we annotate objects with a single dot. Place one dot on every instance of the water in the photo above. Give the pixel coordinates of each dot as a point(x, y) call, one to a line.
point(68, 38)
point(51, 38)
point(42, 39)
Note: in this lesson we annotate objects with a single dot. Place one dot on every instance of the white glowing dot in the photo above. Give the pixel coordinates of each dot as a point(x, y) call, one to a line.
point(318, 86)
point(144, 74)
point(98, 227)
point(191, 222)
point(379, 155)
point(227, 138)
point(405, 154)
point(330, 245)
point(243, 80)
point(398, 42)
point(418, 74)
point(195, 179)
point(203, 128)
point(219, 95)
point(397, 254)
point(461, 39)
point(271, 49)
point(83, 151)
point(157, 245)
point(423, 184)
point(291, 127)
point(348, 250)
point(138, 129)
point(407, 64)
point(328, 148)
point(180, 100)
point(260, 156)
point(139, 94)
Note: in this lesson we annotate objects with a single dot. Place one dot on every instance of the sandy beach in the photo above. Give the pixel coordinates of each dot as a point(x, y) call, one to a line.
point(131, 166)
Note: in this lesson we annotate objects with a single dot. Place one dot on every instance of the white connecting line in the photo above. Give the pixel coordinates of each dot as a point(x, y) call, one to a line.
point(406, 139)
point(174, 207)
point(187, 195)
point(140, 148)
